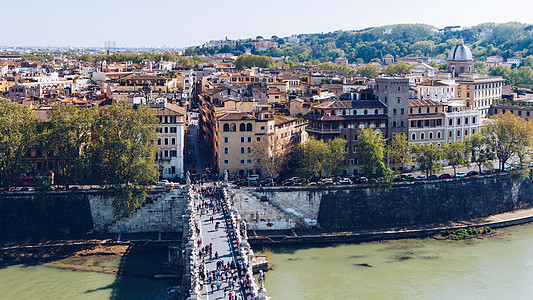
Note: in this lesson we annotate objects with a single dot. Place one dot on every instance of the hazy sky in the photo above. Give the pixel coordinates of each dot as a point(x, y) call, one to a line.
point(184, 23)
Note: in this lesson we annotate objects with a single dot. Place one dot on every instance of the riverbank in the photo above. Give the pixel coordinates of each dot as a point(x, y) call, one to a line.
point(316, 235)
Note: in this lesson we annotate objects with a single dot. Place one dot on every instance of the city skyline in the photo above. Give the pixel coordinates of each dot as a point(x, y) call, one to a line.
point(180, 24)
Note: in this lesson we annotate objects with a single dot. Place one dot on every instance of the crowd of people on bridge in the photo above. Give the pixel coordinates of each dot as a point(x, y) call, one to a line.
point(228, 276)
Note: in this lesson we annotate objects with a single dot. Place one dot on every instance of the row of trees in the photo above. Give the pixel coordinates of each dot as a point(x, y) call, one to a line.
point(505, 136)
point(113, 146)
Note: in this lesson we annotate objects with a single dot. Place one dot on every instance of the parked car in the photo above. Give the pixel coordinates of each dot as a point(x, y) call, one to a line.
point(472, 173)
point(445, 175)
point(327, 181)
point(460, 174)
point(487, 172)
point(421, 177)
point(344, 181)
point(253, 177)
point(433, 177)
point(408, 177)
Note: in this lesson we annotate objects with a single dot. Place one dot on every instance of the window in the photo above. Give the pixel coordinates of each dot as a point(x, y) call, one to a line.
point(413, 136)
point(226, 161)
point(466, 132)
point(450, 134)
point(249, 139)
point(422, 136)
point(399, 89)
point(262, 128)
point(159, 141)
point(249, 150)
point(458, 132)
point(165, 153)
point(242, 161)
point(394, 124)
point(226, 139)
point(226, 150)
point(399, 99)
point(393, 111)
point(519, 112)
point(438, 134)
point(458, 121)
point(173, 141)
point(242, 127)
point(242, 149)
point(376, 112)
point(173, 153)
point(232, 127)
point(402, 111)
point(249, 127)
point(166, 141)
point(165, 129)
point(366, 112)
point(173, 129)
point(226, 127)
point(401, 124)
point(248, 161)
point(258, 138)
point(473, 120)
point(450, 122)
point(413, 124)
point(431, 135)
point(242, 139)
point(527, 113)
point(354, 149)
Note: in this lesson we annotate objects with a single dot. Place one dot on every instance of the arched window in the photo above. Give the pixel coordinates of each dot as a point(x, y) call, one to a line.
point(431, 135)
point(466, 120)
point(226, 127)
point(376, 112)
point(413, 136)
point(366, 112)
point(242, 127)
point(226, 150)
point(422, 136)
point(473, 120)
point(438, 134)
point(249, 150)
point(242, 149)
point(232, 127)
point(249, 127)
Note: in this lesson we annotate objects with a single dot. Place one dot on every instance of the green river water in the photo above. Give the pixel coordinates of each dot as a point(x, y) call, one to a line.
point(497, 267)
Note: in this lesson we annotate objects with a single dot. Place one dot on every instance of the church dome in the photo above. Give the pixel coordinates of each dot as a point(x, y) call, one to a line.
point(460, 51)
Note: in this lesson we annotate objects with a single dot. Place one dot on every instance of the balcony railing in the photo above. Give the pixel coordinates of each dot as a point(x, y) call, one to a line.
point(320, 130)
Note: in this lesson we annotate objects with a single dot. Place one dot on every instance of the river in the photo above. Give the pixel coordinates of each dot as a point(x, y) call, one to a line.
point(496, 267)
point(44, 282)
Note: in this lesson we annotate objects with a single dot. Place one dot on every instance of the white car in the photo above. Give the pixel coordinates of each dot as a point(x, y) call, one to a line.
point(460, 174)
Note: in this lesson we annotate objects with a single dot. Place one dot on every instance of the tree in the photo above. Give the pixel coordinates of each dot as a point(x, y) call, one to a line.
point(86, 58)
point(372, 154)
point(398, 68)
point(68, 140)
point(457, 155)
point(400, 151)
point(310, 158)
point(481, 67)
point(335, 156)
point(249, 60)
point(369, 71)
point(269, 155)
point(124, 154)
point(510, 135)
point(17, 135)
point(427, 156)
point(481, 150)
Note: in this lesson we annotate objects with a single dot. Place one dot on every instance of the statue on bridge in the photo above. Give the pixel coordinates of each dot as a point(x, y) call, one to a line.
point(225, 176)
point(261, 279)
point(188, 178)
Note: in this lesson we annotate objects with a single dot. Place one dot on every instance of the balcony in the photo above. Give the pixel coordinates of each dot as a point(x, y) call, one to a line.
point(322, 131)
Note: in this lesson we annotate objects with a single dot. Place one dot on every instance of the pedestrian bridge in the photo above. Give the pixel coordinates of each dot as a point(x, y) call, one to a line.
point(217, 254)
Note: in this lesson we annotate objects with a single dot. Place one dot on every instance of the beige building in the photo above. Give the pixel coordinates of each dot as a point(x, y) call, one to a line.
point(479, 91)
point(426, 122)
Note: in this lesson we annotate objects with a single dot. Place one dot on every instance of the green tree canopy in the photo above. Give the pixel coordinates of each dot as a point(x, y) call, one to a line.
point(400, 151)
point(428, 157)
point(372, 154)
point(249, 61)
point(17, 136)
point(457, 154)
point(369, 71)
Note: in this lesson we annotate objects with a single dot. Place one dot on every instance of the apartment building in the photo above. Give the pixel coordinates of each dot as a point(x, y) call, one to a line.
point(479, 91)
point(172, 142)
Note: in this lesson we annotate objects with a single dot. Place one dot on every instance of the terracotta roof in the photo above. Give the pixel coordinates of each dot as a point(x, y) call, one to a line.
point(278, 120)
point(169, 110)
point(236, 116)
point(423, 102)
point(433, 83)
point(347, 104)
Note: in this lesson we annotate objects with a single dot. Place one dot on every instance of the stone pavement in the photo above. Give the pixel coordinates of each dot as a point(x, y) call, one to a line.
point(221, 245)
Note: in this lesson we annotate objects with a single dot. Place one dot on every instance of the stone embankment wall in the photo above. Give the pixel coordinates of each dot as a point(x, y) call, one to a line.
point(82, 211)
point(60, 212)
point(366, 207)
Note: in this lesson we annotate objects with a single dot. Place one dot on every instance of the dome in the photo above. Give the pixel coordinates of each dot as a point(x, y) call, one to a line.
point(460, 51)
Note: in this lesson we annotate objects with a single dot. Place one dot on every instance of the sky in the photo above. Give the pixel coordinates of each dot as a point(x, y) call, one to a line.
point(156, 23)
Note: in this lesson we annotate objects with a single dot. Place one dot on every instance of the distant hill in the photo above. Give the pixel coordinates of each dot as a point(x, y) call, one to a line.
point(400, 40)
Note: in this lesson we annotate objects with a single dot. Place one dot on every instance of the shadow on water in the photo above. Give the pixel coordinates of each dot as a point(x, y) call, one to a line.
point(135, 273)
